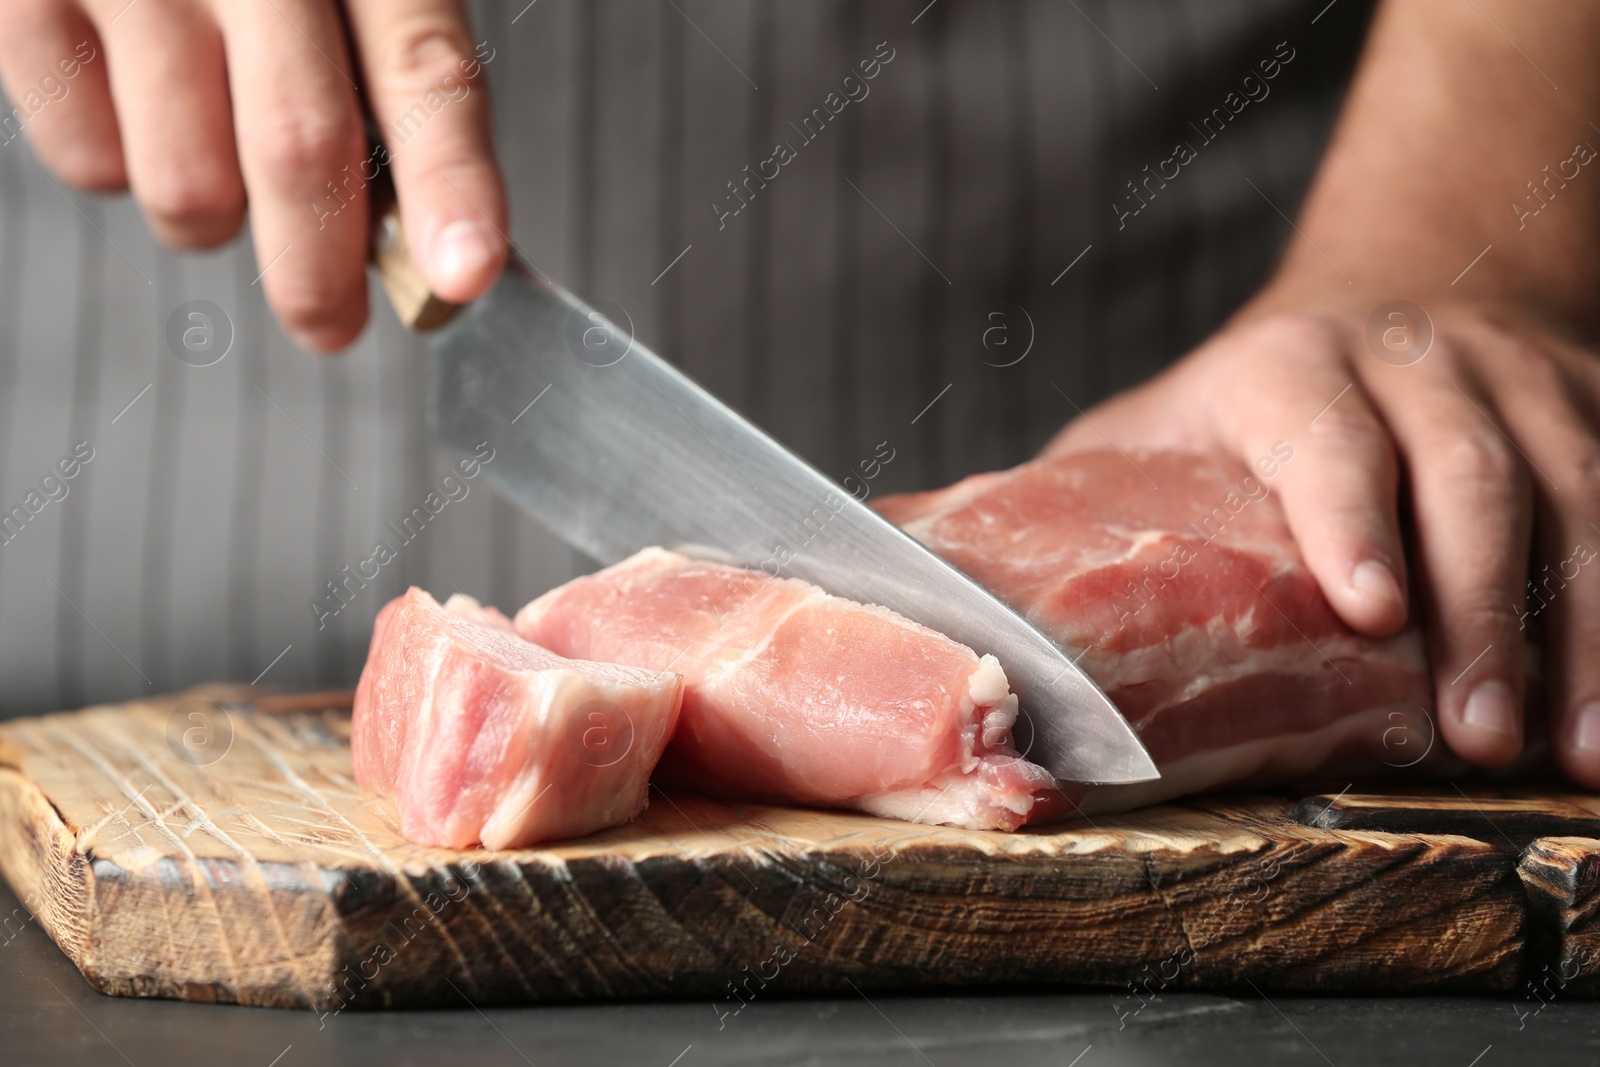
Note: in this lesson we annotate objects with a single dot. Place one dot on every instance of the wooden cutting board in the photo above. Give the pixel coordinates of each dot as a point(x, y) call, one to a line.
point(212, 846)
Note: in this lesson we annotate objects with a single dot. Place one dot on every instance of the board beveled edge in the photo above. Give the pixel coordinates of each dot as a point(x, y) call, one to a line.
point(65, 889)
point(40, 861)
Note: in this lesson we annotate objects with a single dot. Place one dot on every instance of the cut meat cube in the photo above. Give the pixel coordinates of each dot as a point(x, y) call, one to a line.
point(791, 694)
point(1176, 577)
point(485, 737)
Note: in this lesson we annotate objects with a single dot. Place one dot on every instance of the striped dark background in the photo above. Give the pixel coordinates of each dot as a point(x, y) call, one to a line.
point(847, 296)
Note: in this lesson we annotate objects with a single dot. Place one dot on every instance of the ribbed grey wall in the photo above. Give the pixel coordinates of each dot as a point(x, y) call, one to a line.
point(849, 293)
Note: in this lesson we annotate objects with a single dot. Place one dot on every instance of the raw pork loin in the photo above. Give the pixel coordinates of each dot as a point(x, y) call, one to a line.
point(470, 727)
point(795, 695)
point(1192, 608)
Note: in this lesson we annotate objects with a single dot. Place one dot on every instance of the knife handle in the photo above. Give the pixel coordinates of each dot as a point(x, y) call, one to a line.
point(419, 309)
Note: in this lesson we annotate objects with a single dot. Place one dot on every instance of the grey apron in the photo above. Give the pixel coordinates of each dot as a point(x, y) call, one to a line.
point(940, 263)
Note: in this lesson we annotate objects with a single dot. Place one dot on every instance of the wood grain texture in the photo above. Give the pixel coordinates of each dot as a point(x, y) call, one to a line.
point(1511, 822)
point(258, 872)
point(1562, 876)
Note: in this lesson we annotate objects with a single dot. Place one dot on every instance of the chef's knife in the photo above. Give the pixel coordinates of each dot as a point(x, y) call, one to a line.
point(615, 450)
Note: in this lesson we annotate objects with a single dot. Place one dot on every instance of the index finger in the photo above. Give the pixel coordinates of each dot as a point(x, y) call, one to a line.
point(1300, 400)
point(426, 88)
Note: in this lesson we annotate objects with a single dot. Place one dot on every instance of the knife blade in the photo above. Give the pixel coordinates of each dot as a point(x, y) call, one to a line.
point(614, 449)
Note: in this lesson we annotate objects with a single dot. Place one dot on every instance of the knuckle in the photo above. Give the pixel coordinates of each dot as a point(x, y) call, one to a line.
point(1296, 334)
point(320, 329)
point(84, 168)
point(327, 304)
point(1349, 429)
point(1537, 369)
point(191, 197)
point(303, 310)
point(1481, 459)
point(1445, 354)
point(1486, 615)
point(425, 52)
point(1579, 476)
point(304, 144)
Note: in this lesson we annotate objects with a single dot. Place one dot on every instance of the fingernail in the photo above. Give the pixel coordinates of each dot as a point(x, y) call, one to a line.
point(462, 250)
point(1490, 708)
point(1377, 581)
point(1586, 727)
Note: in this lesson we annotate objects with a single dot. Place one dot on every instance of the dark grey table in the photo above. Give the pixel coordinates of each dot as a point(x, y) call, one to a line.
point(49, 1015)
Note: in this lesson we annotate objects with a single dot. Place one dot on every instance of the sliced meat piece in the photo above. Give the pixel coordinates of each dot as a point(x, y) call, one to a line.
point(1177, 579)
point(791, 694)
point(484, 737)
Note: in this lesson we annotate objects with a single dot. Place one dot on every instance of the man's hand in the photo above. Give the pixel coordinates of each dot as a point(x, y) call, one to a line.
point(200, 106)
point(1462, 179)
point(1496, 432)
